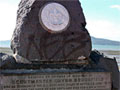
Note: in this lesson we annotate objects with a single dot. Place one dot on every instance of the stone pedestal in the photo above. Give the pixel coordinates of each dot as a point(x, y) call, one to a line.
point(54, 79)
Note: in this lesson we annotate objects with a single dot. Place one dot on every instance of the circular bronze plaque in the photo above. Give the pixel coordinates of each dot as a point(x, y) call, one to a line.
point(54, 17)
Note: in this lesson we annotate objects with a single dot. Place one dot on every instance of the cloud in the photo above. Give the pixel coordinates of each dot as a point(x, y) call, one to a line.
point(115, 6)
point(7, 20)
point(104, 29)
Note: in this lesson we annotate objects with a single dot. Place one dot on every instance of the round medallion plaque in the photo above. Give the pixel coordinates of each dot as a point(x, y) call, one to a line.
point(54, 17)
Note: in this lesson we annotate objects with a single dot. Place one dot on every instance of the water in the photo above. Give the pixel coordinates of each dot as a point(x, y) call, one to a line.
point(106, 47)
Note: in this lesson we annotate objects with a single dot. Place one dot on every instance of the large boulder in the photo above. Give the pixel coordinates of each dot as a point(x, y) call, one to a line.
point(7, 61)
point(108, 64)
point(50, 29)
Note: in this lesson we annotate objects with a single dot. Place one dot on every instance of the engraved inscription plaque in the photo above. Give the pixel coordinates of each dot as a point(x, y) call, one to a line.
point(54, 17)
point(57, 81)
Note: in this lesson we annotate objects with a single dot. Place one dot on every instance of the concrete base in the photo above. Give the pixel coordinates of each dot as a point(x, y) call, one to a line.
point(54, 79)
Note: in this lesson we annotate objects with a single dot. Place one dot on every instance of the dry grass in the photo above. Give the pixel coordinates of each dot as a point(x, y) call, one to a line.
point(110, 52)
point(6, 50)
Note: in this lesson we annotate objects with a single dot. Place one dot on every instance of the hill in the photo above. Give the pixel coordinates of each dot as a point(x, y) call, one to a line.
point(100, 41)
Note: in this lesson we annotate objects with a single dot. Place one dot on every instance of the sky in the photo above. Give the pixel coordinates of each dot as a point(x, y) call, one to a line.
point(102, 17)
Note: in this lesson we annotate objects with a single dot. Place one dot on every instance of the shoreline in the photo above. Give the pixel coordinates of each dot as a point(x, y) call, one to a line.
point(106, 53)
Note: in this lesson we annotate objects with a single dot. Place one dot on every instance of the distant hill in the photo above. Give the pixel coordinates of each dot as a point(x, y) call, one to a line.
point(100, 41)
point(95, 41)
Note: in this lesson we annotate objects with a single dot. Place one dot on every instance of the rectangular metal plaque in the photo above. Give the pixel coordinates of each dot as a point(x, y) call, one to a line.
point(57, 81)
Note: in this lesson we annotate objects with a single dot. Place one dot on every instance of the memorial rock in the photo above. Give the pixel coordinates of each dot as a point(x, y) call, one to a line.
point(51, 46)
point(51, 29)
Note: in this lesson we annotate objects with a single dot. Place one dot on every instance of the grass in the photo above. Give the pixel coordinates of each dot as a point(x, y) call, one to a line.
point(110, 52)
point(6, 50)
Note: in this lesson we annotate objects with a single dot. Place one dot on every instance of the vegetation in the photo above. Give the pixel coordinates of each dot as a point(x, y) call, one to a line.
point(110, 52)
point(5, 50)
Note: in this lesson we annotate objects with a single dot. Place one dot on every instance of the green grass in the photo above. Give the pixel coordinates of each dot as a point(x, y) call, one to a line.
point(6, 50)
point(110, 52)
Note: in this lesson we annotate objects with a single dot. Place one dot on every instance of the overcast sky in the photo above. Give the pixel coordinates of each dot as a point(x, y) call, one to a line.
point(102, 16)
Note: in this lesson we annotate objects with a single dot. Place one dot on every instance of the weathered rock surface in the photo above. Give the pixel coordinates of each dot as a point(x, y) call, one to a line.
point(111, 66)
point(31, 41)
point(7, 61)
point(108, 64)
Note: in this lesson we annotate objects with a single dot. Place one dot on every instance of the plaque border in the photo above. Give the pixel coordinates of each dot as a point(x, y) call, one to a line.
point(44, 27)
